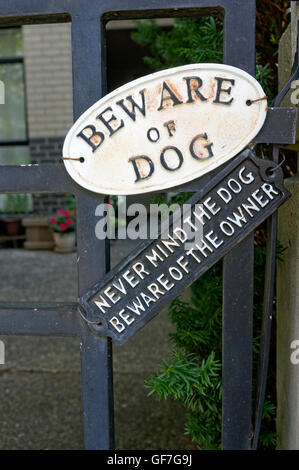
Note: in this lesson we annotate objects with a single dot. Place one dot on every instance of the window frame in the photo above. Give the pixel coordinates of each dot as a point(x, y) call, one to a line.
point(17, 60)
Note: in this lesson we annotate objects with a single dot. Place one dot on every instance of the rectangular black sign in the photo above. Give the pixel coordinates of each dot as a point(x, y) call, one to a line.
point(215, 219)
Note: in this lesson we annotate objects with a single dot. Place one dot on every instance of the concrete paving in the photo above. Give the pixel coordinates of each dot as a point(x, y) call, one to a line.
point(40, 388)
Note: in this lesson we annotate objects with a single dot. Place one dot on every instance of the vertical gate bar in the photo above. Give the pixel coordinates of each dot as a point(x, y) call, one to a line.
point(238, 269)
point(237, 346)
point(97, 391)
point(93, 254)
point(88, 68)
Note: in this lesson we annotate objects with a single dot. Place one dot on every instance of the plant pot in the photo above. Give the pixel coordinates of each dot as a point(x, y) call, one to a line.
point(12, 226)
point(64, 242)
point(38, 234)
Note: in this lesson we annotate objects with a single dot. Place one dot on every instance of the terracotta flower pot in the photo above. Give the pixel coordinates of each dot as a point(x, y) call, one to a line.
point(64, 242)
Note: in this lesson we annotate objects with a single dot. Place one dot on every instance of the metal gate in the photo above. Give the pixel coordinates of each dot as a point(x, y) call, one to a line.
point(88, 20)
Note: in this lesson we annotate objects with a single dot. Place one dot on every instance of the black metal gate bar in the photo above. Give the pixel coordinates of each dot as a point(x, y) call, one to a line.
point(93, 256)
point(96, 351)
point(237, 346)
point(238, 270)
point(93, 262)
point(19, 318)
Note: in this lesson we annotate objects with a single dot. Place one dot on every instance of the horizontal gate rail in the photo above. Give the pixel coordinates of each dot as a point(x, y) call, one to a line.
point(39, 319)
point(51, 178)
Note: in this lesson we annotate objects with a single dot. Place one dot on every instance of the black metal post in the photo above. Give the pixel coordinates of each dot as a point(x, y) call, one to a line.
point(96, 351)
point(238, 270)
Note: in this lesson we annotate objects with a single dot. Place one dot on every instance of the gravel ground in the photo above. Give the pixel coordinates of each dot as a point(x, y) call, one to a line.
point(40, 388)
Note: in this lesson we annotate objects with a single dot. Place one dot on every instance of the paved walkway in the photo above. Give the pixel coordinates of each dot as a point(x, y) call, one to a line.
point(40, 389)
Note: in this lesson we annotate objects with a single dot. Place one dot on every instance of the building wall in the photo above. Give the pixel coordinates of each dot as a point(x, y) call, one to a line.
point(48, 71)
point(47, 56)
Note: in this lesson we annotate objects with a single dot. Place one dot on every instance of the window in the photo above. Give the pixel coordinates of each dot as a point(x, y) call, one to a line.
point(14, 148)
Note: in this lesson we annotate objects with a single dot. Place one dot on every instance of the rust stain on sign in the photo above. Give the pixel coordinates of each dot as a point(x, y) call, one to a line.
point(165, 129)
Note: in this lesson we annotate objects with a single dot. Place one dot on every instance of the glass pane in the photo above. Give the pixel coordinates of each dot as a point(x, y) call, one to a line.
point(14, 155)
point(11, 44)
point(12, 113)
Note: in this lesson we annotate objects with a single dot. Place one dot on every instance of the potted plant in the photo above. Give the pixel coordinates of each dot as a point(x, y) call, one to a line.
point(63, 226)
point(15, 205)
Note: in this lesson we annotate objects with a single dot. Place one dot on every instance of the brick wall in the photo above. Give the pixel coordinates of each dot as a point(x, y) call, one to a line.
point(48, 71)
point(47, 57)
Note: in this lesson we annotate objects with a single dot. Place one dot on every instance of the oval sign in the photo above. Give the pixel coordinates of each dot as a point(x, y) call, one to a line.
point(165, 129)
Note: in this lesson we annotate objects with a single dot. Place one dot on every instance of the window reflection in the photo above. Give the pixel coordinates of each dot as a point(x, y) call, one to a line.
point(13, 126)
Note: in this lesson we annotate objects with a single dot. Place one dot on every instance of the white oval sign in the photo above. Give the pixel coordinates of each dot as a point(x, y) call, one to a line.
point(165, 129)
